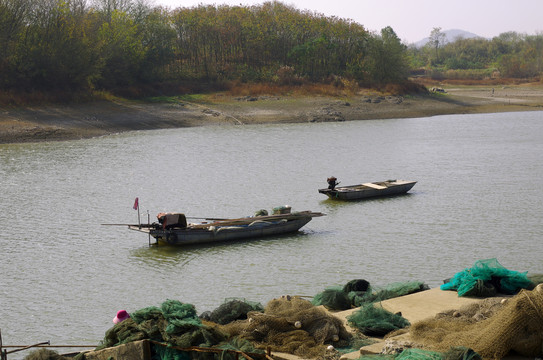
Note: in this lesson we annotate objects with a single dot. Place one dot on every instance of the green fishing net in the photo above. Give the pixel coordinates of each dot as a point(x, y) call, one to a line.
point(333, 298)
point(461, 353)
point(359, 292)
point(174, 324)
point(418, 354)
point(394, 290)
point(456, 353)
point(487, 278)
point(232, 310)
point(373, 320)
point(167, 352)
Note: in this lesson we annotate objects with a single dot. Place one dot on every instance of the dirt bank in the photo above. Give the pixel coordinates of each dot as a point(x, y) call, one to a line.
point(77, 121)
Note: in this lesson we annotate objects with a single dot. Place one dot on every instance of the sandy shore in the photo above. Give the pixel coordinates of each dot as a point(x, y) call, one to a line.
point(77, 121)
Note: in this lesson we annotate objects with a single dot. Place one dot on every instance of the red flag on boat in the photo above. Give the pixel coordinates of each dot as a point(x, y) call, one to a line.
point(136, 204)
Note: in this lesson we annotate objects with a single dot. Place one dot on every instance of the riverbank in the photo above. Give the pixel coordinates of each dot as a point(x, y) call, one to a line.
point(78, 121)
point(458, 320)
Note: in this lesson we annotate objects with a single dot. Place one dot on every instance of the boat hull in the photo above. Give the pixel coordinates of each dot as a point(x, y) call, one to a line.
point(213, 234)
point(369, 190)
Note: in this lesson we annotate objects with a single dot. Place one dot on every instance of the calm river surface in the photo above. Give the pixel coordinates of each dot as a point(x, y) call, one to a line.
point(64, 275)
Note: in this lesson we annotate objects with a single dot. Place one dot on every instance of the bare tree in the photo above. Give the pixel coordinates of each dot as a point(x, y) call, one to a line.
point(437, 40)
point(107, 7)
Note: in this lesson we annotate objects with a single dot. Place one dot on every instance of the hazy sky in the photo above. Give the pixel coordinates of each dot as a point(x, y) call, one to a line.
point(413, 20)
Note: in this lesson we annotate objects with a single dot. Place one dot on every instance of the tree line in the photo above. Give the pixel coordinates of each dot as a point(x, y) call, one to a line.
point(71, 46)
point(509, 55)
point(80, 45)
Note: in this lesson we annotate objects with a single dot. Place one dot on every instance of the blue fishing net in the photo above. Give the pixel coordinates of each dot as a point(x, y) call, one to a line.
point(487, 278)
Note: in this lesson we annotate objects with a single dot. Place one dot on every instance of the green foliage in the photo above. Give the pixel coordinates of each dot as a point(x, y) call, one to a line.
point(128, 46)
point(121, 51)
point(387, 61)
point(194, 98)
point(64, 45)
point(53, 50)
point(509, 55)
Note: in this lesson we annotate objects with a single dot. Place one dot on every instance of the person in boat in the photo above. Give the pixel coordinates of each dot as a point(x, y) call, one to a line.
point(332, 182)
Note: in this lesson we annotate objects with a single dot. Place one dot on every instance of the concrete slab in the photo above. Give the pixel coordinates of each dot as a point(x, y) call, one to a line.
point(421, 305)
point(414, 307)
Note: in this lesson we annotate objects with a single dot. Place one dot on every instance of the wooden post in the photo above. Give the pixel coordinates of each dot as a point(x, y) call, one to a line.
point(2, 354)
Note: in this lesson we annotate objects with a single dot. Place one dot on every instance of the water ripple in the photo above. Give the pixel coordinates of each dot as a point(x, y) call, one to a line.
point(478, 196)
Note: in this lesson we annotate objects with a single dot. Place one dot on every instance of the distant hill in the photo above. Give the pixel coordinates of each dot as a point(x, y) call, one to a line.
point(451, 36)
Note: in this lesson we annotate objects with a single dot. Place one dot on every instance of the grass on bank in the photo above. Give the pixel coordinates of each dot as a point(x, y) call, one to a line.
point(202, 93)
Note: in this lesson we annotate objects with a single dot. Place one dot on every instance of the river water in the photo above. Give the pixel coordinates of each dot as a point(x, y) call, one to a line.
point(64, 275)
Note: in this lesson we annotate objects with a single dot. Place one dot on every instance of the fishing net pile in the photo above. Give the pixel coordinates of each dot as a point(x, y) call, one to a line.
point(45, 354)
point(232, 310)
point(292, 325)
point(513, 326)
point(359, 292)
point(456, 353)
point(370, 319)
point(176, 325)
point(373, 320)
point(288, 324)
point(487, 278)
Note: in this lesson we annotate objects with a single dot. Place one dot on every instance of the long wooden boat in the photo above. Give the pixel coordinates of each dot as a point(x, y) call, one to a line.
point(369, 190)
point(173, 229)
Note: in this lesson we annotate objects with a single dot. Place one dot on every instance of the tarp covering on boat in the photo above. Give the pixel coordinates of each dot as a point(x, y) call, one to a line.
point(170, 220)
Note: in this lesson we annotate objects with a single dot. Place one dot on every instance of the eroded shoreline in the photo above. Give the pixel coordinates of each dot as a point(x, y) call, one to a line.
point(79, 121)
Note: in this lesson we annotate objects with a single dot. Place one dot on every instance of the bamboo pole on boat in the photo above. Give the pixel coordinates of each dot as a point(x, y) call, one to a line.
point(248, 220)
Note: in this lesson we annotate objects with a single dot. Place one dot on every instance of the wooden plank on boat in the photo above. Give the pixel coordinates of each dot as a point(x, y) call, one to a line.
point(374, 186)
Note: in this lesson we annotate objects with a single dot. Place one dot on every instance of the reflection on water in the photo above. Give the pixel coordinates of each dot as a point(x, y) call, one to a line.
point(478, 196)
point(165, 258)
point(162, 258)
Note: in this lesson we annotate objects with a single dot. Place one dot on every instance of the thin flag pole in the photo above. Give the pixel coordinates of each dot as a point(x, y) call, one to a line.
point(149, 222)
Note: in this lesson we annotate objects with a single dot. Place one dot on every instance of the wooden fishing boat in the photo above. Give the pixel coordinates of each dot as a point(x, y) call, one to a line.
point(369, 190)
point(173, 229)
